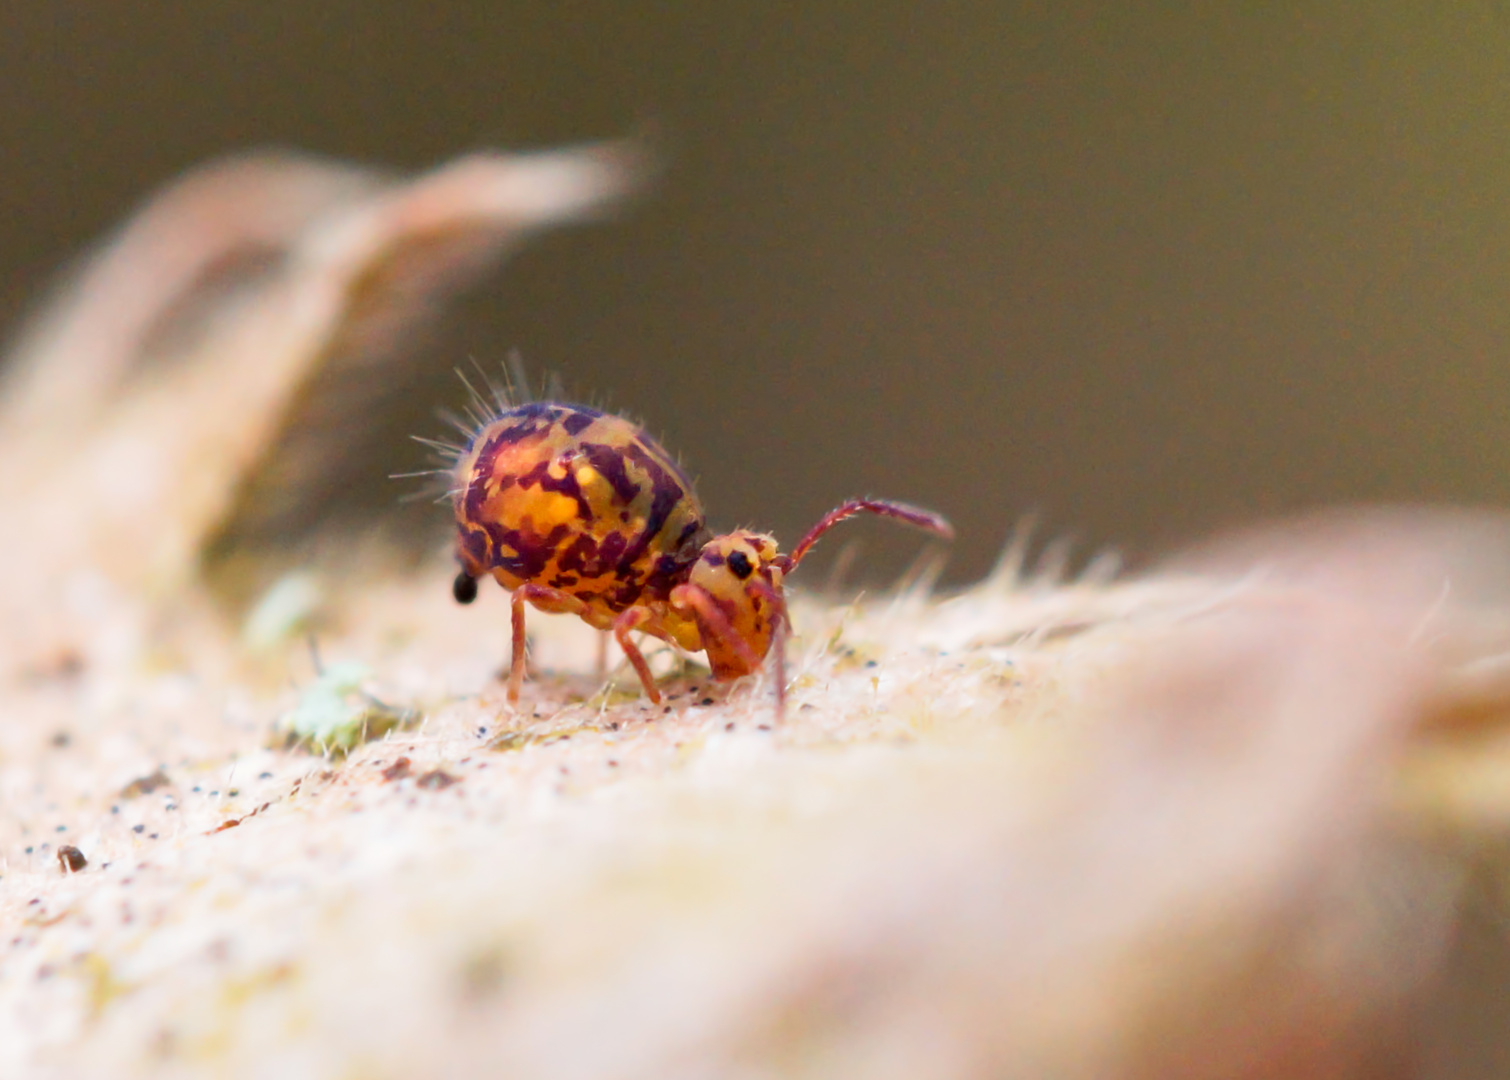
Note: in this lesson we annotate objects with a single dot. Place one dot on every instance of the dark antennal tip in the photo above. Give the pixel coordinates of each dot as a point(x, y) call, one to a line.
point(464, 588)
point(941, 526)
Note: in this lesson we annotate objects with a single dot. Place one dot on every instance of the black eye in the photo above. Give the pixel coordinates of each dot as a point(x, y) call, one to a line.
point(739, 562)
point(464, 588)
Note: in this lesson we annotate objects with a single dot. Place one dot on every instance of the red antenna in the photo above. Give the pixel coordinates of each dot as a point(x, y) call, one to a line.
point(912, 515)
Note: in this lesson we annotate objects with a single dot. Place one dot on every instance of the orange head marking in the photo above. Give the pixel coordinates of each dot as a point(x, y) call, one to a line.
point(734, 593)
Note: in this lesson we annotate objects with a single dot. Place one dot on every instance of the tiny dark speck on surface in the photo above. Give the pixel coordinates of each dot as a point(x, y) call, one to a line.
point(435, 780)
point(706, 701)
point(138, 829)
point(71, 859)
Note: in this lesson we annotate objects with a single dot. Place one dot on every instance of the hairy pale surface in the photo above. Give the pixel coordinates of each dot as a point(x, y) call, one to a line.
point(1221, 819)
point(1136, 829)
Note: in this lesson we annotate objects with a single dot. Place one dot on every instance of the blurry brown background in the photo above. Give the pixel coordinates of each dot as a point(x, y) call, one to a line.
point(1144, 272)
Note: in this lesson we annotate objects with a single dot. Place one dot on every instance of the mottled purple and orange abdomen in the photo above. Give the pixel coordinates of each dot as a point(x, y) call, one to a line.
point(587, 503)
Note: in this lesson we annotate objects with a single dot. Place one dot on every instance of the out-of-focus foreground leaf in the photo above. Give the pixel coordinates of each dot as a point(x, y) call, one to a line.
point(186, 403)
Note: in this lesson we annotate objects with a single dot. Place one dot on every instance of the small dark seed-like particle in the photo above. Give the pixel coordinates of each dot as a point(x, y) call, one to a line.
point(145, 785)
point(485, 973)
point(71, 859)
point(138, 828)
point(706, 701)
point(436, 779)
point(398, 770)
point(464, 588)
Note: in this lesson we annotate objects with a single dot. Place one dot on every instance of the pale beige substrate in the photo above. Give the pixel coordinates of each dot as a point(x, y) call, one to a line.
point(959, 855)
